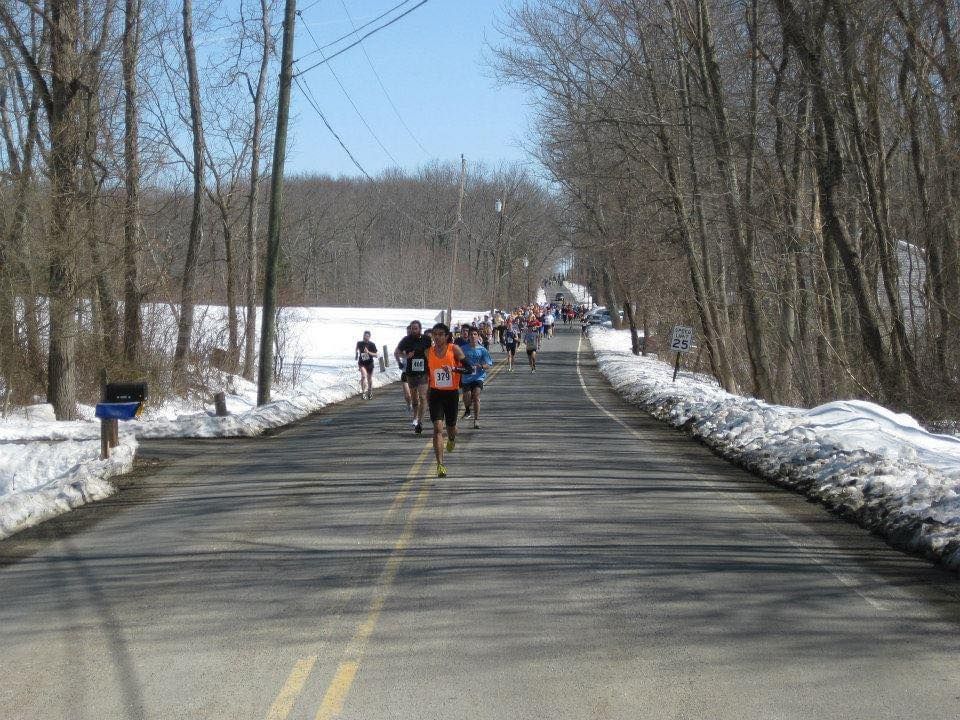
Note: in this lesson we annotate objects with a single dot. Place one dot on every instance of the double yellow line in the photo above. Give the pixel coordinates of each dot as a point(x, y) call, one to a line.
point(339, 687)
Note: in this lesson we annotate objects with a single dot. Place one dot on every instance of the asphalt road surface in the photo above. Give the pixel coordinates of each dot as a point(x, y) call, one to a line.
point(580, 562)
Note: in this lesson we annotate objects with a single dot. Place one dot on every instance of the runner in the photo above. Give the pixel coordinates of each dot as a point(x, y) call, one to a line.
point(462, 341)
point(401, 359)
point(531, 339)
point(548, 320)
point(365, 353)
point(414, 348)
point(445, 362)
point(478, 356)
point(510, 341)
point(463, 338)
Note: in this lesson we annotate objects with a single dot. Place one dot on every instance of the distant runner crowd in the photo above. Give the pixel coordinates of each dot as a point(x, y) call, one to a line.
point(443, 366)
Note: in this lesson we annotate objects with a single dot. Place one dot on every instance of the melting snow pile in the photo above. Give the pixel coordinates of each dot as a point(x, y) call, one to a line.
point(875, 466)
point(47, 468)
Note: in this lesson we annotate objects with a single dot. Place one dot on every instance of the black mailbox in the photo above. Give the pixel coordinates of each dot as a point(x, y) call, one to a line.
point(125, 392)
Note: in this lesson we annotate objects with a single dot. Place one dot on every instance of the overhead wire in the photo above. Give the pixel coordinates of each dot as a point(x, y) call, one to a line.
point(350, 99)
point(355, 29)
point(328, 58)
point(314, 104)
point(383, 87)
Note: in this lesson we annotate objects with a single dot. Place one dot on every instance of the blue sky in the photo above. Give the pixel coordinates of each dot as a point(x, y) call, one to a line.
point(431, 63)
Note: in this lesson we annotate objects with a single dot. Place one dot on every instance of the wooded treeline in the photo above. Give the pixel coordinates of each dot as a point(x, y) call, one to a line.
point(134, 166)
point(784, 173)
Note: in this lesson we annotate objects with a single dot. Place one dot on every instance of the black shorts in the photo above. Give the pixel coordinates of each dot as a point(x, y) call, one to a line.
point(467, 387)
point(511, 349)
point(444, 405)
point(417, 379)
point(531, 351)
point(368, 366)
point(403, 377)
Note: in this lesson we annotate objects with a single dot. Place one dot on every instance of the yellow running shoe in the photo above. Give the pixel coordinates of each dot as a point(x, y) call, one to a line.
point(451, 444)
point(441, 470)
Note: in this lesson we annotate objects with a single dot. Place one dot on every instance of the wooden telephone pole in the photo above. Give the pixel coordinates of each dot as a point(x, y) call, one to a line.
point(268, 326)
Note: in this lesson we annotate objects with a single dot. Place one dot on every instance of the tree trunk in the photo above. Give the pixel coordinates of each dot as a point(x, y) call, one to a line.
point(187, 299)
point(253, 206)
point(830, 166)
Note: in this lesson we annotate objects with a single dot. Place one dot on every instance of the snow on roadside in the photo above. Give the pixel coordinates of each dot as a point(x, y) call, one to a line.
point(869, 464)
point(48, 474)
point(581, 295)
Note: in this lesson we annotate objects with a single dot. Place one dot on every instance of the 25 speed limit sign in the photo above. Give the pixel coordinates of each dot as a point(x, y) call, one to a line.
point(682, 339)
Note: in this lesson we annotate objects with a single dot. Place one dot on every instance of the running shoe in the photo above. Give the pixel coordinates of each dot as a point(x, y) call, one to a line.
point(441, 470)
point(466, 413)
point(451, 444)
point(417, 428)
point(476, 425)
point(414, 423)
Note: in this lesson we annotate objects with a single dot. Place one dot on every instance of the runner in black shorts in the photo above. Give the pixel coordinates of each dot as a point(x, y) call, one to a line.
point(401, 359)
point(445, 363)
point(365, 353)
point(510, 342)
point(414, 349)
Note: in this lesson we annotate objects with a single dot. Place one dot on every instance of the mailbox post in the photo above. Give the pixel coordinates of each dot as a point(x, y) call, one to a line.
point(121, 401)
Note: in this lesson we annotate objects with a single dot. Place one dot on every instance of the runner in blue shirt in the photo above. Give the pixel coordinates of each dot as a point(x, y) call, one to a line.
point(478, 356)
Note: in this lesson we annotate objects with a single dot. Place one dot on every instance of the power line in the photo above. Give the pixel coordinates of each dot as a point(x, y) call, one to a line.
point(311, 100)
point(355, 29)
point(308, 94)
point(372, 32)
point(383, 87)
point(350, 99)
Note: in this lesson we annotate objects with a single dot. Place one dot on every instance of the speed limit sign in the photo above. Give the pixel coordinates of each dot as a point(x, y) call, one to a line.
point(682, 339)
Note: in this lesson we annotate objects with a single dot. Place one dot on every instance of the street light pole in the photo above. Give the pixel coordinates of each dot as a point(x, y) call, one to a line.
point(526, 267)
point(496, 262)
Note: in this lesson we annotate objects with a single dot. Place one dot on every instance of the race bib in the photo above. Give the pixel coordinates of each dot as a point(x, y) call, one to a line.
point(417, 364)
point(442, 378)
point(364, 357)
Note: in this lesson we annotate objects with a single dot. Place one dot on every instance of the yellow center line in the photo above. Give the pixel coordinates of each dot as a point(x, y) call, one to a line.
point(340, 685)
point(291, 689)
point(401, 497)
point(339, 688)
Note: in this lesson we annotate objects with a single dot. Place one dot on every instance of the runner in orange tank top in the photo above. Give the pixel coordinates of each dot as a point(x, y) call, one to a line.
point(445, 363)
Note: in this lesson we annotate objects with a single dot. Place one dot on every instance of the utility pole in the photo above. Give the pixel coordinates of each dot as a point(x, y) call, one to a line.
point(456, 239)
point(268, 327)
point(496, 262)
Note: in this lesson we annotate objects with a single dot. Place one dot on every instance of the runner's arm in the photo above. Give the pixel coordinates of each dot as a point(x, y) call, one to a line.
point(465, 367)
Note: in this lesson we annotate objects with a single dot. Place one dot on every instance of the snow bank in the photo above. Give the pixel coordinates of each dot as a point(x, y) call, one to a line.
point(52, 473)
point(869, 464)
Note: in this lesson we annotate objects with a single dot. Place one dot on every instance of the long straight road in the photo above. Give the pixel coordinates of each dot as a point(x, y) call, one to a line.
point(581, 561)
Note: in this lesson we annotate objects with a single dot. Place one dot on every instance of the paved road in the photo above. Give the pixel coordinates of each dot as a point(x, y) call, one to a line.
point(579, 563)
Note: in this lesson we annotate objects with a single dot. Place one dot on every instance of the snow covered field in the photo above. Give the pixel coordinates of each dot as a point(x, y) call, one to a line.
point(49, 467)
point(859, 459)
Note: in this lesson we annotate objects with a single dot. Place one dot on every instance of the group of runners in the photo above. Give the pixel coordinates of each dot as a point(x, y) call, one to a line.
point(442, 368)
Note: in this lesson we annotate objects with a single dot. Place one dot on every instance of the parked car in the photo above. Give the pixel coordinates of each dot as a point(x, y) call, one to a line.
point(601, 316)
